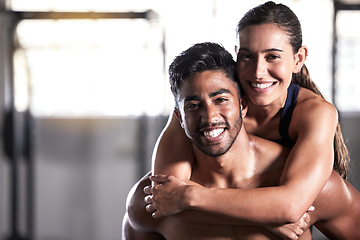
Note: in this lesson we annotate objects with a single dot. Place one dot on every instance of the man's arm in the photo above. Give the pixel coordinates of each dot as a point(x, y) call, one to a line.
point(337, 213)
point(130, 233)
point(137, 223)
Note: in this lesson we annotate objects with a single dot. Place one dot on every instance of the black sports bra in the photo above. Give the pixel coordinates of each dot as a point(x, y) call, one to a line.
point(285, 118)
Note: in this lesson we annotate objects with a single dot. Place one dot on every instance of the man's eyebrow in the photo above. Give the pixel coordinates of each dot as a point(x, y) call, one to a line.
point(265, 51)
point(191, 98)
point(220, 91)
point(212, 94)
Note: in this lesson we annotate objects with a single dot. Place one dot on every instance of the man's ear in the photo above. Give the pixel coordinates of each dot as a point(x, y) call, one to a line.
point(300, 58)
point(178, 116)
point(244, 105)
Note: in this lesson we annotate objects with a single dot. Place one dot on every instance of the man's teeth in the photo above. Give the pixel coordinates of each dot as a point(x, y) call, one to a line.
point(261, 85)
point(213, 133)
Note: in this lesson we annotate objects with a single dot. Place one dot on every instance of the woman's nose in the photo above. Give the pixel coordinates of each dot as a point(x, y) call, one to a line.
point(260, 68)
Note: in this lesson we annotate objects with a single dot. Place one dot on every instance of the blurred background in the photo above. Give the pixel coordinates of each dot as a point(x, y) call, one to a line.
point(84, 96)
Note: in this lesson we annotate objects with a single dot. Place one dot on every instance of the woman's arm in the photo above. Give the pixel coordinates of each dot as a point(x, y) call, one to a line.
point(307, 169)
point(285, 231)
point(173, 154)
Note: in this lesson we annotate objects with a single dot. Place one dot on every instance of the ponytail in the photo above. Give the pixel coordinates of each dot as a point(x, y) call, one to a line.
point(341, 154)
point(303, 79)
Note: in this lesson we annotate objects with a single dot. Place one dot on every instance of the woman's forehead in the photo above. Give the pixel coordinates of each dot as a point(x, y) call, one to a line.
point(261, 37)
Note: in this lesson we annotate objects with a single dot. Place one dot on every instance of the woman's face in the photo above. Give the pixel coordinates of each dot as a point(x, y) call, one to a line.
point(265, 63)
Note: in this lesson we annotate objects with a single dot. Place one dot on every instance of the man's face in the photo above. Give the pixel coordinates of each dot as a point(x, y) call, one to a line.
point(210, 111)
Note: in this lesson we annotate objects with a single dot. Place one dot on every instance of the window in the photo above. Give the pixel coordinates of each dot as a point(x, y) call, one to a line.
point(347, 87)
point(93, 67)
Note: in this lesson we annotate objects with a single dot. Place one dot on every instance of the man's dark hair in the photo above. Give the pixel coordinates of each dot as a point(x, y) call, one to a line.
point(199, 58)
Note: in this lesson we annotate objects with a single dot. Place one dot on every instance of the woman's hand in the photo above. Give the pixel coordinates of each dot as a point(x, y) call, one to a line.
point(294, 230)
point(166, 197)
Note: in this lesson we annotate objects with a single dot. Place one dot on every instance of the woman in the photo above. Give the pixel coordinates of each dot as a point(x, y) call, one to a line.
point(270, 66)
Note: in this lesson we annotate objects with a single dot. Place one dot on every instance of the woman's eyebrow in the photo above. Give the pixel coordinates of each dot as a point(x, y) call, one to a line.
point(273, 50)
point(265, 51)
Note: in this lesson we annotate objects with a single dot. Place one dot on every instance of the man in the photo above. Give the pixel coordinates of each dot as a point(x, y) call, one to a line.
point(209, 108)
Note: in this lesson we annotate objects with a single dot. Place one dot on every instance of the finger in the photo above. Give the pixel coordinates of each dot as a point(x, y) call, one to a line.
point(293, 235)
point(299, 232)
point(304, 221)
point(150, 208)
point(156, 214)
point(159, 178)
point(148, 199)
point(147, 190)
point(303, 225)
point(307, 219)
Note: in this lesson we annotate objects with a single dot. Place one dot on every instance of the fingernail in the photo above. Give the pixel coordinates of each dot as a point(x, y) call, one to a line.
point(311, 208)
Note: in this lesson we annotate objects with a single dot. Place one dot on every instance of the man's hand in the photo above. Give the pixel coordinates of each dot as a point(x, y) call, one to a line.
point(167, 196)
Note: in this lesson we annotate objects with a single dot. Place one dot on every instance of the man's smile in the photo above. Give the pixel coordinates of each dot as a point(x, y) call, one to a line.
point(213, 133)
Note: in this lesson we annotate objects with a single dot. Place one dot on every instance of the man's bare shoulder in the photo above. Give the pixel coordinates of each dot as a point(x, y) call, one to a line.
point(333, 198)
point(269, 151)
point(337, 209)
point(137, 219)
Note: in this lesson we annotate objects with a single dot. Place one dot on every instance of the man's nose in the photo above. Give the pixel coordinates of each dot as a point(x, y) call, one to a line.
point(210, 114)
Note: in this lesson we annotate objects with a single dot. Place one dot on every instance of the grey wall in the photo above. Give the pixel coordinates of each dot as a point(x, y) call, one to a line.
point(350, 123)
point(84, 170)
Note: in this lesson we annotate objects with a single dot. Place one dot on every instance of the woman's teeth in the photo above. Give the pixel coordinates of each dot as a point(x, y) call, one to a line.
point(214, 133)
point(261, 85)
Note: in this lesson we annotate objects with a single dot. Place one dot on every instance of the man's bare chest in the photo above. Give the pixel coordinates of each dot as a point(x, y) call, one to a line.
point(177, 229)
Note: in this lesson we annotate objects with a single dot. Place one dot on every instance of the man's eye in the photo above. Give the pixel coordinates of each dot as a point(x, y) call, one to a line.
point(221, 100)
point(192, 106)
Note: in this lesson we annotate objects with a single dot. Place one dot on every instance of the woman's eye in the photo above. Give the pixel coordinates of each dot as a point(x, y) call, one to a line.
point(244, 56)
point(272, 57)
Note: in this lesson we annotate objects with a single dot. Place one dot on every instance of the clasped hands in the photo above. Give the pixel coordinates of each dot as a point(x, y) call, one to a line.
point(168, 196)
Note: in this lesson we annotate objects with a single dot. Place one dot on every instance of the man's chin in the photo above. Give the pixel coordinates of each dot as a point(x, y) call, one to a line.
point(214, 152)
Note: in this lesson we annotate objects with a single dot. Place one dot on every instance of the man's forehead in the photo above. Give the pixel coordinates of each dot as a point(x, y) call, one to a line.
point(209, 80)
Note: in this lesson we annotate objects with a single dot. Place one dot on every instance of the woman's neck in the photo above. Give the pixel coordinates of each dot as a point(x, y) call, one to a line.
point(263, 121)
point(263, 114)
